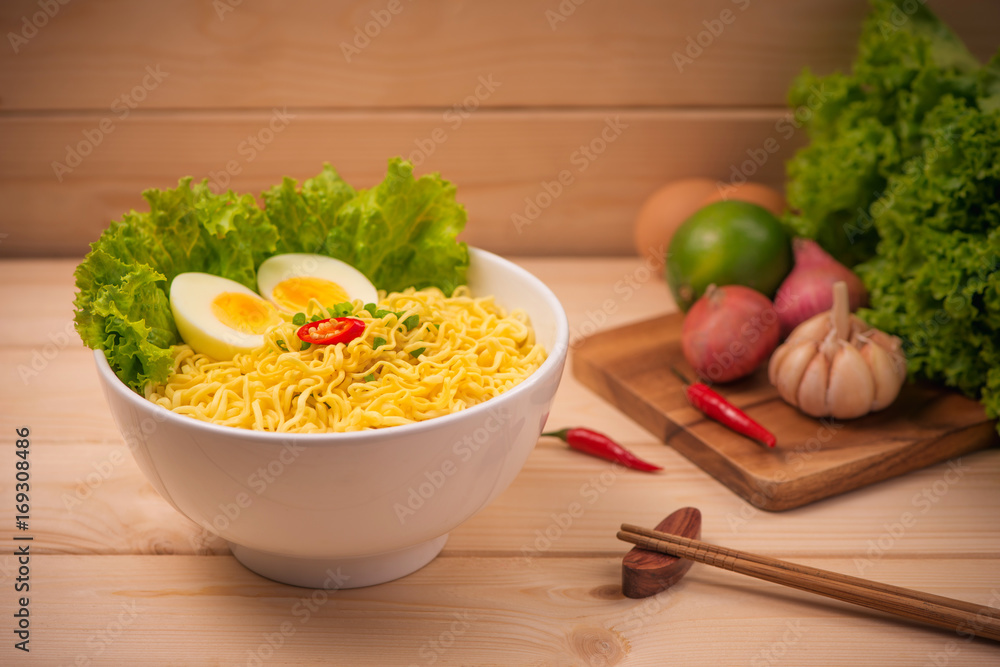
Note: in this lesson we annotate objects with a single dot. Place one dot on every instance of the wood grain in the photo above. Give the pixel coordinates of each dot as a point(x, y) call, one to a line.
point(122, 549)
point(506, 166)
point(958, 616)
point(702, 552)
point(498, 98)
point(36, 295)
point(122, 515)
point(227, 71)
point(646, 572)
point(263, 54)
point(96, 501)
point(814, 459)
point(490, 611)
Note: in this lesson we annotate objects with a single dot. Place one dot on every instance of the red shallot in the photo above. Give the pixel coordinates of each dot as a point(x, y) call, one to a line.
point(729, 332)
point(808, 289)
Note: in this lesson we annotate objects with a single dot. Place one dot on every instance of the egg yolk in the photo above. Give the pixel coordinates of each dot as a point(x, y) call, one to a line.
point(295, 293)
point(247, 314)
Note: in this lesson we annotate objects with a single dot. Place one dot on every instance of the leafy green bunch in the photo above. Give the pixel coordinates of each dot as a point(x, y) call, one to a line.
point(400, 233)
point(901, 179)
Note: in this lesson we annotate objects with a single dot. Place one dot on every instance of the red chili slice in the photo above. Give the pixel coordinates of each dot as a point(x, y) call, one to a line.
point(331, 331)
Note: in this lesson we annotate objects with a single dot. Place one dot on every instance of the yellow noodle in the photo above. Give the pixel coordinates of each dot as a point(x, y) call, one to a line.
point(472, 351)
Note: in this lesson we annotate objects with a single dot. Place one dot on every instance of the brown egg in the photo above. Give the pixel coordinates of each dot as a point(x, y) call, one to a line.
point(665, 210)
point(755, 193)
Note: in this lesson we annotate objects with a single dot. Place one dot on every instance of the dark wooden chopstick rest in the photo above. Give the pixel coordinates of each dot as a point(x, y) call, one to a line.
point(646, 573)
point(963, 617)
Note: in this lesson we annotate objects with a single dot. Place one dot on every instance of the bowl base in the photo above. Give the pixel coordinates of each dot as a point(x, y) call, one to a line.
point(334, 573)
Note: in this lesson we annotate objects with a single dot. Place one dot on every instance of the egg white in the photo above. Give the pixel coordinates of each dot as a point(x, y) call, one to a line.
point(191, 296)
point(297, 265)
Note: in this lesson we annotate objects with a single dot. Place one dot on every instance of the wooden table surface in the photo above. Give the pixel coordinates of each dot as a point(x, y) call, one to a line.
point(118, 577)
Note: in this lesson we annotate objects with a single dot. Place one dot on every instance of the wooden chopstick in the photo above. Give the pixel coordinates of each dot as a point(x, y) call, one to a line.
point(963, 617)
point(834, 576)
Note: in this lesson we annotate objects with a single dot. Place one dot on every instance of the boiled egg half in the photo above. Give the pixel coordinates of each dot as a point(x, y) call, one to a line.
point(219, 317)
point(289, 281)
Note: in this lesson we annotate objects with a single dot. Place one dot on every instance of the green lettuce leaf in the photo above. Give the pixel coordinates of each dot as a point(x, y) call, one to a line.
point(303, 217)
point(122, 304)
point(865, 127)
point(130, 320)
point(935, 281)
point(902, 179)
point(401, 233)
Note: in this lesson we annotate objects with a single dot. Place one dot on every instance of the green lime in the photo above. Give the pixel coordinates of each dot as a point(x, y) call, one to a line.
point(727, 243)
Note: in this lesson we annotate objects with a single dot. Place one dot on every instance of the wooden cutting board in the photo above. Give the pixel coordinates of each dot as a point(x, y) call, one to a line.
point(814, 459)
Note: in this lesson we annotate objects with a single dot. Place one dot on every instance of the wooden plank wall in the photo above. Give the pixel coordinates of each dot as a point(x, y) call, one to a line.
point(497, 96)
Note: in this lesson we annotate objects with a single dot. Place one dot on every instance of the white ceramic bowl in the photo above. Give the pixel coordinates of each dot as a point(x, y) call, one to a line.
point(350, 509)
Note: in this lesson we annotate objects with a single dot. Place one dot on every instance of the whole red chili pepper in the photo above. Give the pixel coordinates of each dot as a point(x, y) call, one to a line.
point(599, 445)
point(714, 406)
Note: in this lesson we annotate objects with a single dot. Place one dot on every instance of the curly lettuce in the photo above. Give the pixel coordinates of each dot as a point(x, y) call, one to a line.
point(935, 279)
point(901, 179)
point(123, 310)
point(867, 126)
point(123, 284)
point(304, 216)
point(400, 233)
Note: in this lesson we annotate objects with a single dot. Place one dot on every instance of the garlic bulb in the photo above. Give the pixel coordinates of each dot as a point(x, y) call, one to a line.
point(835, 365)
